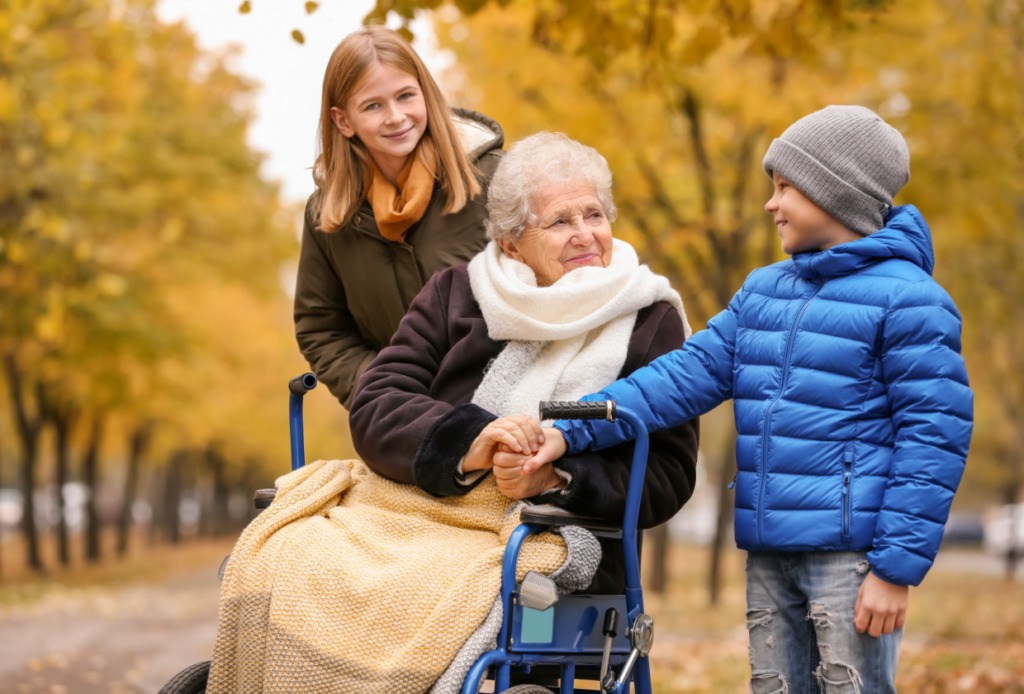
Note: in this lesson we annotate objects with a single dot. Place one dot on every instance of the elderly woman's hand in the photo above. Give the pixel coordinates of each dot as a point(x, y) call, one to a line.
point(522, 434)
point(515, 483)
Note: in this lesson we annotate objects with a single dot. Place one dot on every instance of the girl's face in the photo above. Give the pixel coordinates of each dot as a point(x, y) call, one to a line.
point(388, 114)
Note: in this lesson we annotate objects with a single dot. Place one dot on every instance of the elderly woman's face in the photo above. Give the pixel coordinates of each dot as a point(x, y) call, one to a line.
point(572, 231)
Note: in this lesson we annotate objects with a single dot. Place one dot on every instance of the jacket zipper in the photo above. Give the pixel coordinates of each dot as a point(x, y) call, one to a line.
point(768, 413)
point(846, 500)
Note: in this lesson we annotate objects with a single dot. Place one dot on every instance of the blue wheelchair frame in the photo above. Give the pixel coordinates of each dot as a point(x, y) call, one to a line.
point(566, 635)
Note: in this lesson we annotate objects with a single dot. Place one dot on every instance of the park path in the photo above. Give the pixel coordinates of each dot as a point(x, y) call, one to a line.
point(110, 640)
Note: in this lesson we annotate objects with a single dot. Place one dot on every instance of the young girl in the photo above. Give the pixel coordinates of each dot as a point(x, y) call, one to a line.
point(401, 194)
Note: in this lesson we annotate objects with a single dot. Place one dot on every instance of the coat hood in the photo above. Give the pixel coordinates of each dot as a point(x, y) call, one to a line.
point(479, 133)
point(905, 235)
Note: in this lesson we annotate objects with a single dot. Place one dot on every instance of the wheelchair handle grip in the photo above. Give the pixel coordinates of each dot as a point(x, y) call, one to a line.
point(302, 384)
point(578, 410)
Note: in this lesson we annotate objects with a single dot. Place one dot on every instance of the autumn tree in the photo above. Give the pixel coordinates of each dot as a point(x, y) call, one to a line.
point(125, 180)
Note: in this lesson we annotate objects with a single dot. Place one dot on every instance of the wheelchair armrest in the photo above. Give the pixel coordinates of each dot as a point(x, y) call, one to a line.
point(554, 517)
point(262, 498)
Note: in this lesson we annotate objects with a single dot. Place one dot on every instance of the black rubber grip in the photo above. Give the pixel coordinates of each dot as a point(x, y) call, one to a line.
point(611, 622)
point(263, 498)
point(578, 410)
point(302, 384)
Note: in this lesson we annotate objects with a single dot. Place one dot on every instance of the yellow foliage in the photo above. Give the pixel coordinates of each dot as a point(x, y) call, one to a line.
point(139, 248)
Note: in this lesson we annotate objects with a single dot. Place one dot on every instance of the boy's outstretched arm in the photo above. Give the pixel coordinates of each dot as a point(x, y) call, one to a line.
point(671, 390)
point(933, 415)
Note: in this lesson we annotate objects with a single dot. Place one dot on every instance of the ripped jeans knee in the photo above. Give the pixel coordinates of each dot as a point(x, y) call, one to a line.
point(835, 676)
point(817, 613)
point(759, 620)
point(768, 683)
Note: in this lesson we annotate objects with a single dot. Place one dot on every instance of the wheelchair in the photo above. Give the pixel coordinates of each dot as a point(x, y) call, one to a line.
point(547, 641)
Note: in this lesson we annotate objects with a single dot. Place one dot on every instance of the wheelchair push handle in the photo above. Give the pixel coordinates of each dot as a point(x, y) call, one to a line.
point(578, 410)
point(298, 386)
point(302, 384)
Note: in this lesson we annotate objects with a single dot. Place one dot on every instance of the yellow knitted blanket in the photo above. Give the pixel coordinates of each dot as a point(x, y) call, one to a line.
point(352, 583)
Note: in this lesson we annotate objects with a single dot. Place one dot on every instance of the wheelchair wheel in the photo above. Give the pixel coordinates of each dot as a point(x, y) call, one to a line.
point(191, 680)
point(527, 689)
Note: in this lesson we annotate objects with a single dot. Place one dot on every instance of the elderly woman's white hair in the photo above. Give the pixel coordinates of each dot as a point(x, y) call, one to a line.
point(530, 165)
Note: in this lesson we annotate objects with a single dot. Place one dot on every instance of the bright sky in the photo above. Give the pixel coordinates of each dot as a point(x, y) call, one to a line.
point(290, 75)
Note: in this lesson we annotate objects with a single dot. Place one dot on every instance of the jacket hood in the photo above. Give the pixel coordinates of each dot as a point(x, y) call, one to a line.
point(479, 133)
point(905, 235)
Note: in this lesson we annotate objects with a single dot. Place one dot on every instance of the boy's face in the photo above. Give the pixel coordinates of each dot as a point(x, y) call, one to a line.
point(803, 226)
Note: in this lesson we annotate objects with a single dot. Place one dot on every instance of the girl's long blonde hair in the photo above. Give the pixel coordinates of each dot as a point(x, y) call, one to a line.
point(344, 169)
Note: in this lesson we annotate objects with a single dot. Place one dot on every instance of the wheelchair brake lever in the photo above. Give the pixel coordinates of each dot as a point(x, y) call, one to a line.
point(611, 627)
point(642, 634)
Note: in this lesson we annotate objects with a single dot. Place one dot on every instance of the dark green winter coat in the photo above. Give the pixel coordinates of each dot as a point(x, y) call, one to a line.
point(354, 285)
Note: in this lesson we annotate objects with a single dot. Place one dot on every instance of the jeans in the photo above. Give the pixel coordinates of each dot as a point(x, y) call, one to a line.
point(800, 618)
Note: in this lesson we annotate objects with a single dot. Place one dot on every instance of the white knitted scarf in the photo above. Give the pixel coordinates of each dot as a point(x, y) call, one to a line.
point(566, 340)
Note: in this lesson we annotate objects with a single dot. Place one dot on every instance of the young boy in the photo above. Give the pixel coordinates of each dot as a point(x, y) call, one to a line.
point(852, 406)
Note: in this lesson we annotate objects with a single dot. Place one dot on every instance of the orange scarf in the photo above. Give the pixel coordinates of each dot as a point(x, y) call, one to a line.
point(397, 210)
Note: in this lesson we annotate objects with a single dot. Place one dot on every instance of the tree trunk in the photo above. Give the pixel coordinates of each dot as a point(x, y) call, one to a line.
point(137, 446)
point(28, 431)
point(221, 493)
point(30, 447)
point(658, 538)
point(90, 476)
point(156, 499)
point(1012, 554)
point(726, 474)
point(63, 419)
point(172, 496)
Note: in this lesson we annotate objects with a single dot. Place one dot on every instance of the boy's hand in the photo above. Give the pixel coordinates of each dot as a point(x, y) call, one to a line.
point(881, 606)
point(514, 483)
point(552, 448)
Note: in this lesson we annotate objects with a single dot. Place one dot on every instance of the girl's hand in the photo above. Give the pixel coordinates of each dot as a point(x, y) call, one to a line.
point(514, 483)
point(553, 447)
point(522, 434)
point(881, 606)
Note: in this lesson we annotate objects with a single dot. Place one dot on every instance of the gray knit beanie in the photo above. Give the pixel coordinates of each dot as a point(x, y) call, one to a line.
point(847, 160)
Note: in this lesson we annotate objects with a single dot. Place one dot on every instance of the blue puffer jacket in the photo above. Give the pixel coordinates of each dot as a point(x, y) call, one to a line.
point(852, 403)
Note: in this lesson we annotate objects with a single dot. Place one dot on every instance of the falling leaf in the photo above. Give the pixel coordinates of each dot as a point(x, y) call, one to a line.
point(311, 6)
point(297, 35)
point(245, 8)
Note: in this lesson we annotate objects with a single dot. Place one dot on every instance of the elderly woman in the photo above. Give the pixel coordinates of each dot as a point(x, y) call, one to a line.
point(552, 309)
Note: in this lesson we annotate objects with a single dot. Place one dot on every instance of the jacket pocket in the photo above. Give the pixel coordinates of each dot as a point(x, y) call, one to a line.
point(847, 473)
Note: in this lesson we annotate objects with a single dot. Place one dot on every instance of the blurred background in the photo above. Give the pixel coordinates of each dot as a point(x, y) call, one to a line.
point(154, 162)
